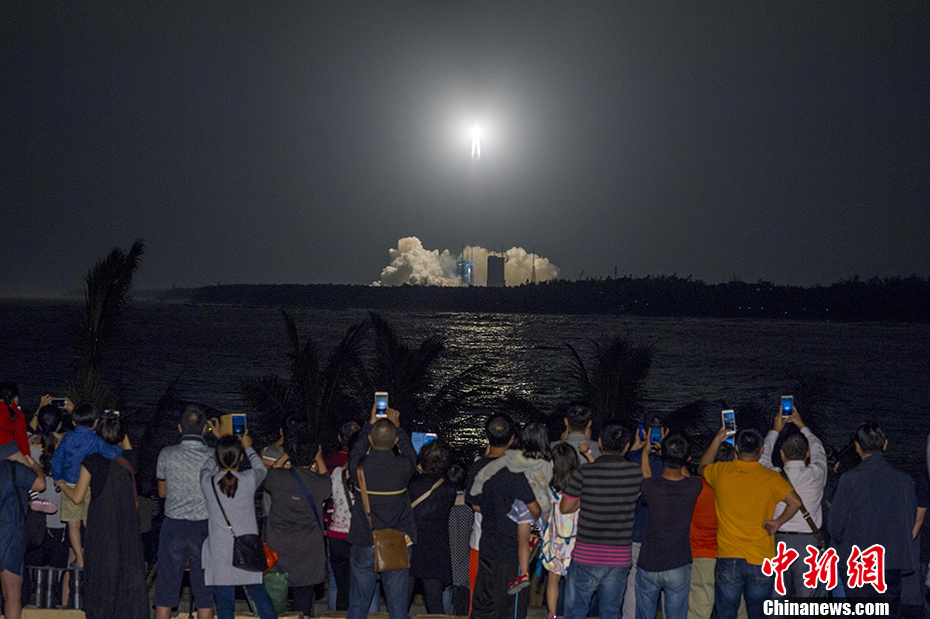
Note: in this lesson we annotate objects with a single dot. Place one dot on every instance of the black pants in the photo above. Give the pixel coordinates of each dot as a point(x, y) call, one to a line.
point(892, 594)
point(304, 598)
point(490, 599)
point(339, 559)
point(432, 594)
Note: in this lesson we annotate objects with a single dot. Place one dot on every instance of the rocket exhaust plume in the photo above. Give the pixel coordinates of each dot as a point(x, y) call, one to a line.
point(476, 143)
point(412, 264)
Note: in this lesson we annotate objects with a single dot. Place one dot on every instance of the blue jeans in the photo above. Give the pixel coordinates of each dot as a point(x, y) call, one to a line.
point(364, 581)
point(584, 580)
point(675, 582)
point(225, 596)
point(735, 578)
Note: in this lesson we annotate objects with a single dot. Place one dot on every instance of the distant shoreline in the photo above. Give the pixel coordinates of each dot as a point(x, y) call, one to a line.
point(886, 300)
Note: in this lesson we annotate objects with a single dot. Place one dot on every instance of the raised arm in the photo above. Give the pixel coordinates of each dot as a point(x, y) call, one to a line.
point(818, 453)
point(711, 453)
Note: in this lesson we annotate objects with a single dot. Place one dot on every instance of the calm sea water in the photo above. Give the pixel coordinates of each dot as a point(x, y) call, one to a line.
point(873, 370)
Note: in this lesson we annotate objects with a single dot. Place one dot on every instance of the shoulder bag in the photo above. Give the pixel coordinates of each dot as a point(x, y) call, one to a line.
point(390, 544)
point(821, 542)
point(248, 550)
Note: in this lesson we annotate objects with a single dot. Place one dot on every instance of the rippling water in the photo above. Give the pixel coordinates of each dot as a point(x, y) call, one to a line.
point(879, 371)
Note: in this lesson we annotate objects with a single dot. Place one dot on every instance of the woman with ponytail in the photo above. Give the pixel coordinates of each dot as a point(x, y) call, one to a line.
point(12, 420)
point(229, 490)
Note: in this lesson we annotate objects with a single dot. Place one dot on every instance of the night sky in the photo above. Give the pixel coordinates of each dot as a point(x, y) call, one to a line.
point(277, 142)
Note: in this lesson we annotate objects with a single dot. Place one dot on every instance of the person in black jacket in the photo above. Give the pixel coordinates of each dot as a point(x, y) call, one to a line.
point(875, 503)
point(387, 475)
point(431, 560)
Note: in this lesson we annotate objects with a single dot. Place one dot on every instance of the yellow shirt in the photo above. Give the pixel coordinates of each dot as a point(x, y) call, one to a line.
point(745, 494)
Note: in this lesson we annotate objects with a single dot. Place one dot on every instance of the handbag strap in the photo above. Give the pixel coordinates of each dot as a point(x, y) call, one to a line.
point(426, 494)
point(307, 496)
point(225, 517)
point(806, 514)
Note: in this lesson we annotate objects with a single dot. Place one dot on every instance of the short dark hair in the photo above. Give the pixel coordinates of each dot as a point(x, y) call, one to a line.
point(434, 458)
point(615, 438)
point(499, 429)
point(347, 431)
point(301, 453)
point(871, 437)
point(85, 414)
point(675, 449)
point(725, 453)
point(383, 434)
point(111, 430)
point(795, 446)
point(749, 441)
point(193, 419)
point(457, 476)
point(578, 416)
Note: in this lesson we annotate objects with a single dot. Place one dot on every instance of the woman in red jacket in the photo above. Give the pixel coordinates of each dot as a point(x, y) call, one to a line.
point(12, 420)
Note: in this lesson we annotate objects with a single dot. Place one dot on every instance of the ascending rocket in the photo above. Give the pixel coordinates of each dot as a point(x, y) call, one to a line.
point(475, 143)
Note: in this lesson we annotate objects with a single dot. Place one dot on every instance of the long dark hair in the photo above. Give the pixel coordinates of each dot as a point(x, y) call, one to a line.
point(228, 455)
point(50, 417)
point(564, 465)
point(9, 391)
point(535, 439)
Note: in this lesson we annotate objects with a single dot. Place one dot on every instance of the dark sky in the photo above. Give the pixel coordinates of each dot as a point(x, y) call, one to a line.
point(277, 142)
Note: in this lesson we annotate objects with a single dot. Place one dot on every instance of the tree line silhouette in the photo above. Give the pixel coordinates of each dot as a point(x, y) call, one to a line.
point(889, 299)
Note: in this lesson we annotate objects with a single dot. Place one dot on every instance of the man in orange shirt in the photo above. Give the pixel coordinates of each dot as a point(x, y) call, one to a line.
point(745, 494)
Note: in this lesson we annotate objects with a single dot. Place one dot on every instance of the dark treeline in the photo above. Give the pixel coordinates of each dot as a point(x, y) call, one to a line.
point(889, 299)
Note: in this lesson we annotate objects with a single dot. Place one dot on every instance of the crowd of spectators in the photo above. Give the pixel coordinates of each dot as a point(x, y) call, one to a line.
point(616, 521)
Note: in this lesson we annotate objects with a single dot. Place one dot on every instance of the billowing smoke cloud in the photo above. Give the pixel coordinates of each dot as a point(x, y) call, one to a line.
point(412, 264)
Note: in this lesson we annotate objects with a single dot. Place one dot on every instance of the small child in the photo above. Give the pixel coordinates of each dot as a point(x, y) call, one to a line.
point(535, 462)
point(559, 537)
point(66, 465)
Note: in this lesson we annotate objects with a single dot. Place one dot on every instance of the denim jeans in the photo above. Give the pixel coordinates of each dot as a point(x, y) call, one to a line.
point(676, 584)
point(225, 596)
point(734, 578)
point(364, 581)
point(584, 580)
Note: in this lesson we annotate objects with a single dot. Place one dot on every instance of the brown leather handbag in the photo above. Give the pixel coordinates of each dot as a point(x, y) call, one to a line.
point(390, 544)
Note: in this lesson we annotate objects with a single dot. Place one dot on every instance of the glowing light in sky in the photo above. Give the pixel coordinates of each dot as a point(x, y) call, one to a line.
point(476, 143)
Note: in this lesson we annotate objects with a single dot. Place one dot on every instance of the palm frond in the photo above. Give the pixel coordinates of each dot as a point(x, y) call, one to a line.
point(269, 394)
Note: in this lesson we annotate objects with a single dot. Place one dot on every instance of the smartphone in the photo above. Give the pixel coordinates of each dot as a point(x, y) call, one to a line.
point(655, 435)
point(238, 425)
point(421, 439)
point(381, 403)
point(641, 432)
point(59, 402)
point(111, 412)
point(787, 405)
point(729, 422)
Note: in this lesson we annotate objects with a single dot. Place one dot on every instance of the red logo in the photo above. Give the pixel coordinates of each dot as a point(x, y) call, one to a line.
point(867, 567)
point(784, 557)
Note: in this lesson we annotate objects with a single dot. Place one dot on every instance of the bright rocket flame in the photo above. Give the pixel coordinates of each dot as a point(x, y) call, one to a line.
point(476, 143)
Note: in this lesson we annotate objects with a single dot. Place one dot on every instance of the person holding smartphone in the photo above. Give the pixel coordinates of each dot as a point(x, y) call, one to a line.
point(387, 475)
point(745, 493)
point(809, 480)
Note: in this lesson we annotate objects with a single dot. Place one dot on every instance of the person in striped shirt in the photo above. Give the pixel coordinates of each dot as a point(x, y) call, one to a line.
point(605, 491)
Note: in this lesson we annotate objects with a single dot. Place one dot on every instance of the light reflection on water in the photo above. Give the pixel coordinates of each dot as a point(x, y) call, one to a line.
point(879, 371)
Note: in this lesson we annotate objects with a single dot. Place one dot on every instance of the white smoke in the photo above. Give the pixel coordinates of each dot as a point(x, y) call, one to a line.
point(412, 264)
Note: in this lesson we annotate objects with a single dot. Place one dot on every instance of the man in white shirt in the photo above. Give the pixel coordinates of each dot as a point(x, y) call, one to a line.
point(805, 464)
